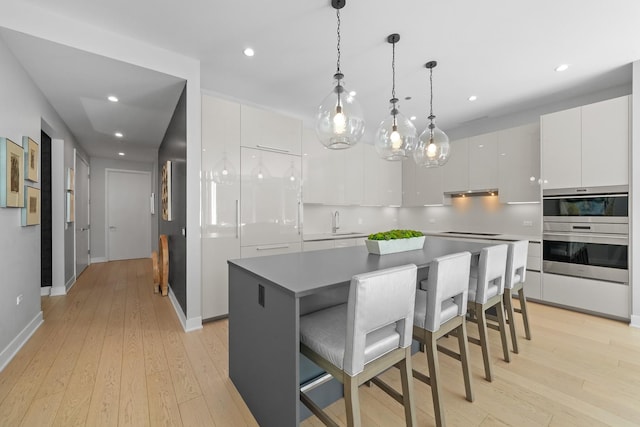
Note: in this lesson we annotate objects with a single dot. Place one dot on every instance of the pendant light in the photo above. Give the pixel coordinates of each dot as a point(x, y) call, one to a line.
point(223, 172)
point(433, 144)
point(340, 122)
point(396, 135)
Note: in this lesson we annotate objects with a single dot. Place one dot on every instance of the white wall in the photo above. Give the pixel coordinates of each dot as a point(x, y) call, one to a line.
point(98, 201)
point(23, 110)
point(317, 218)
point(634, 256)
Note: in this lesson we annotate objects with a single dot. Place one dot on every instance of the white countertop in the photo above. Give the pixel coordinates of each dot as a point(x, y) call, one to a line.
point(356, 234)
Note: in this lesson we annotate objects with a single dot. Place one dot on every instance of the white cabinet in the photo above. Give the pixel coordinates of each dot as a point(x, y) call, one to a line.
point(317, 245)
point(483, 162)
point(586, 146)
point(456, 170)
point(605, 143)
point(268, 130)
point(421, 186)
point(332, 177)
point(220, 200)
point(270, 198)
point(519, 164)
point(533, 284)
point(382, 179)
point(273, 249)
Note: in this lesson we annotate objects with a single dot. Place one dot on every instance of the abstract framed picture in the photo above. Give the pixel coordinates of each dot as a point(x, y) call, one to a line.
point(11, 174)
point(31, 159)
point(71, 207)
point(71, 179)
point(31, 210)
point(165, 191)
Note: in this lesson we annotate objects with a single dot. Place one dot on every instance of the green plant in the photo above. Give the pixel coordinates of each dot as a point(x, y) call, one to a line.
point(395, 234)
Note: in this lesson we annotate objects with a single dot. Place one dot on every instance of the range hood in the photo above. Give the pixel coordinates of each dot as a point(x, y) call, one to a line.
point(472, 193)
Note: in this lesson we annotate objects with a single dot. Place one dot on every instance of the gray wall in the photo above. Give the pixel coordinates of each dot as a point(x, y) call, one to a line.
point(174, 148)
point(23, 109)
point(98, 201)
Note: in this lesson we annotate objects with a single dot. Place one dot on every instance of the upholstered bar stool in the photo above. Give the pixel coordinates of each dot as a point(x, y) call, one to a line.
point(486, 290)
point(514, 282)
point(358, 340)
point(441, 309)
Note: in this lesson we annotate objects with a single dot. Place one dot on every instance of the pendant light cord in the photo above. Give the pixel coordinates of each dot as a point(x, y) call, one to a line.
point(431, 116)
point(393, 72)
point(338, 42)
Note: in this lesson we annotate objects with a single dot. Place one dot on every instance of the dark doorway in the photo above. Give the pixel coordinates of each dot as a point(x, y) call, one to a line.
point(46, 276)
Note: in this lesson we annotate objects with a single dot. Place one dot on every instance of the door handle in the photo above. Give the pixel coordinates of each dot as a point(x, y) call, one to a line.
point(111, 227)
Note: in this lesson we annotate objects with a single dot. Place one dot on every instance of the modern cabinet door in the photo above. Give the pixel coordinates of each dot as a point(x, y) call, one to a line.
point(268, 130)
point(382, 179)
point(273, 249)
point(605, 143)
point(409, 183)
point(317, 178)
point(519, 164)
point(220, 184)
point(428, 185)
point(483, 161)
point(561, 140)
point(456, 170)
point(270, 199)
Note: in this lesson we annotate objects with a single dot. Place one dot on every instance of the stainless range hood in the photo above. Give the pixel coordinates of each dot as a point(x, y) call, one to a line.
point(472, 193)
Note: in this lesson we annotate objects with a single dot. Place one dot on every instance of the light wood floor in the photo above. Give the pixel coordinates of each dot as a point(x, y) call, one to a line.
point(113, 353)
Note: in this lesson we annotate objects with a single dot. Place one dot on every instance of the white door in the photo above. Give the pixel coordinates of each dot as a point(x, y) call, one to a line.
point(128, 214)
point(82, 215)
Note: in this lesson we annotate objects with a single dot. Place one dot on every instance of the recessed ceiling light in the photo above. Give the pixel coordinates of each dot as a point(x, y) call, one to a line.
point(407, 98)
point(118, 134)
point(353, 93)
point(121, 154)
point(562, 67)
point(413, 117)
point(472, 98)
point(112, 98)
point(249, 52)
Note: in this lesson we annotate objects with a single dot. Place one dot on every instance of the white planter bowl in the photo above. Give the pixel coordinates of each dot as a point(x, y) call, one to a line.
point(383, 247)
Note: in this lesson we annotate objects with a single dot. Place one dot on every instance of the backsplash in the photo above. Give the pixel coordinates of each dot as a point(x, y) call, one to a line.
point(475, 214)
point(367, 219)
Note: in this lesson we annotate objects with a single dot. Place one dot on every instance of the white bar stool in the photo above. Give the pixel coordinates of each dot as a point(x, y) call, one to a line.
point(441, 310)
point(514, 282)
point(358, 340)
point(486, 290)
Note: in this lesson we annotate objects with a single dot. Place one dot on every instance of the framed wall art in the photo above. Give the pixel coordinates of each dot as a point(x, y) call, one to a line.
point(165, 191)
point(71, 179)
point(71, 207)
point(31, 159)
point(11, 174)
point(31, 210)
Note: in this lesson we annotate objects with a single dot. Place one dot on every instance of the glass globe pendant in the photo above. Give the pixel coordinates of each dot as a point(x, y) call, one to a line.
point(433, 147)
point(396, 135)
point(339, 122)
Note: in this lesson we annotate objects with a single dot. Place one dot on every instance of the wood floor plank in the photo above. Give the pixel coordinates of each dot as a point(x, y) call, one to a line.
point(42, 411)
point(163, 406)
point(195, 413)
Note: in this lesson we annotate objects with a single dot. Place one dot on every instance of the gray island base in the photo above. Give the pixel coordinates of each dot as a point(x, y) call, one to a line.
point(267, 296)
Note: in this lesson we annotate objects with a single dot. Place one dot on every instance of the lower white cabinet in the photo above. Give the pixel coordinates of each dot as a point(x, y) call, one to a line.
point(608, 298)
point(533, 285)
point(215, 274)
point(317, 245)
point(265, 250)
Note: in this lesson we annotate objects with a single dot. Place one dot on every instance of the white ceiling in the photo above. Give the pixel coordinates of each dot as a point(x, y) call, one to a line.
point(502, 51)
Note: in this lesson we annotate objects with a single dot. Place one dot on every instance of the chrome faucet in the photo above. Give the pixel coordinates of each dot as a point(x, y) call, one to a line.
point(335, 221)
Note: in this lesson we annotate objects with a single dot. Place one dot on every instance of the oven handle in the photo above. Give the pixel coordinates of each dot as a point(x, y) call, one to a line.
point(605, 239)
point(584, 196)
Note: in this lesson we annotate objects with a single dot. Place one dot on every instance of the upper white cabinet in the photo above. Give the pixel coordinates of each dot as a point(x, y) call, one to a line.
point(421, 186)
point(333, 177)
point(519, 164)
point(586, 146)
point(456, 170)
point(268, 130)
point(271, 211)
point(220, 186)
point(382, 179)
point(483, 161)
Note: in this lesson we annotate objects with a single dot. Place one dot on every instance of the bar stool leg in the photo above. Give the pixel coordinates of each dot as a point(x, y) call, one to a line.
point(484, 340)
point(525, 315)
point(434, 375)
point(352, 401)
point(461, 331)
point(406, 377)
point(503, 331)
point(508, 301)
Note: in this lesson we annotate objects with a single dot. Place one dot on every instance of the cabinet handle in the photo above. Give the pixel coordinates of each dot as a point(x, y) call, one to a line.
point(237, 218)
point(299, 222)
point(271, 247)
point(266, 147)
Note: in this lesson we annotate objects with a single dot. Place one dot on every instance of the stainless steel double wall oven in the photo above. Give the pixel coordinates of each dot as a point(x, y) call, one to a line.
point(586, 233)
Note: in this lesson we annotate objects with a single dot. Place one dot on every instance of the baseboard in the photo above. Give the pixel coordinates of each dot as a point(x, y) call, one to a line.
point(18, 342)
point(70, 283)
point(98, 259)
point(57, 291)
point(45, 291)
point(635, 321)
point(188, 325)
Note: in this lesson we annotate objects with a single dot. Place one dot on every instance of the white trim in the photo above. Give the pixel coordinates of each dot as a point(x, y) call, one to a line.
point(70, 283)
point(45, 291)
point(635, 321)
point(188, 325)
point(98, 259)
point(19, 341)
point(57, 291)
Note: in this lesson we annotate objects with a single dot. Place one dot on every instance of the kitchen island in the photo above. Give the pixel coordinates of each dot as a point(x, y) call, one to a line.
point(267, 296)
